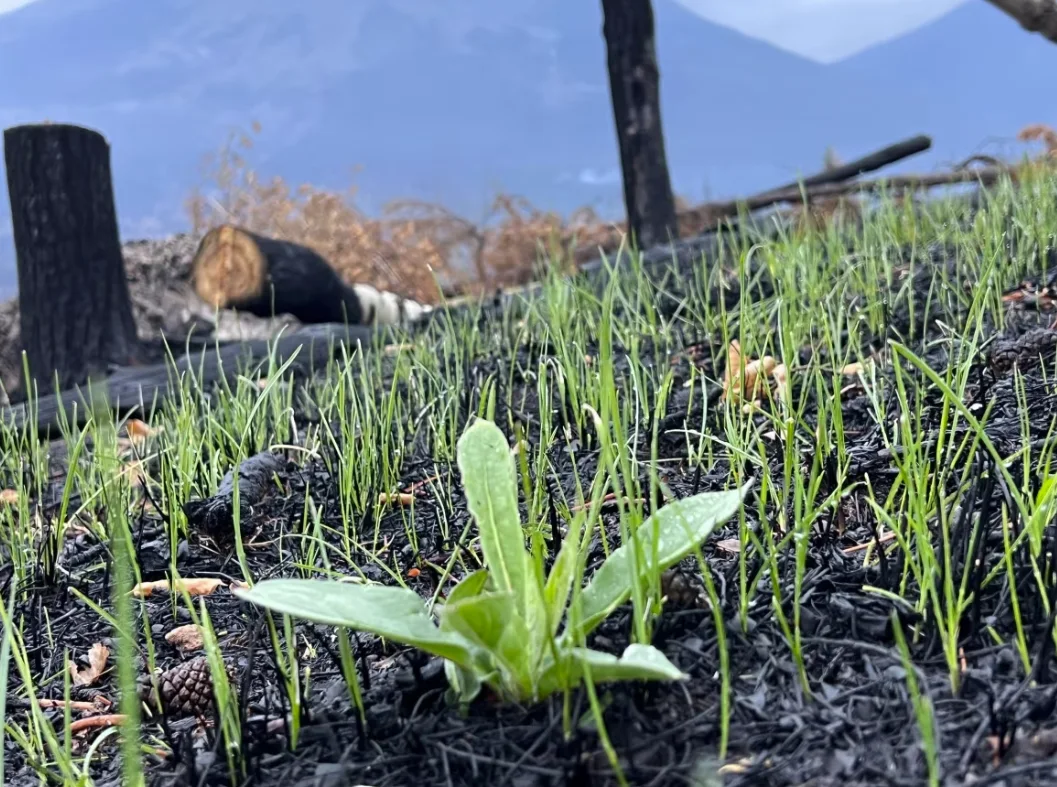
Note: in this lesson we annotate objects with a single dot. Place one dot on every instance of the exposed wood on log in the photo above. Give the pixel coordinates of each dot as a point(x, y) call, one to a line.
point(142, 389)
point(76, 314)
point(234, 268)
point(634, 84)
point(214, 516)
point(978, 158)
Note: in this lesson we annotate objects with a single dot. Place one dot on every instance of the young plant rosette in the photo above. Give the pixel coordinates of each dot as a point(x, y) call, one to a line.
point(499, 625)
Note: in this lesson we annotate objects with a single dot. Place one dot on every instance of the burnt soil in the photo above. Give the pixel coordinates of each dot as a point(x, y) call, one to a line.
point(858, 727)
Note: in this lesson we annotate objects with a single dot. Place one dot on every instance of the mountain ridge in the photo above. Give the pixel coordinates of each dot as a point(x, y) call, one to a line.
point(453, 107)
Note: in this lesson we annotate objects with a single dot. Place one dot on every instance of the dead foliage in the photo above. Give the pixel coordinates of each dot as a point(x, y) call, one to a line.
point(1040, 132)
point(409, 249)
point(97, 658)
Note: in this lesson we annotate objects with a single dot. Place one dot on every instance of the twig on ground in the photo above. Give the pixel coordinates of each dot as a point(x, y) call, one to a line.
point(92, 722)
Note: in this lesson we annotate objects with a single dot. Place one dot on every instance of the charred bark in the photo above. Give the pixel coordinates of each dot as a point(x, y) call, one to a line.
point(634, 83)
point(1035, 16)
point(842, 172)
point(76, 314)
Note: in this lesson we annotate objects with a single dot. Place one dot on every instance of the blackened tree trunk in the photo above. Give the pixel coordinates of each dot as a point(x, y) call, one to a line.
point(634, 84)
point(76, 314)
point(1035, 16)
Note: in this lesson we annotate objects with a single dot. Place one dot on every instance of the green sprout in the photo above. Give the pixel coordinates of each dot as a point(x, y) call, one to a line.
point(499, 626)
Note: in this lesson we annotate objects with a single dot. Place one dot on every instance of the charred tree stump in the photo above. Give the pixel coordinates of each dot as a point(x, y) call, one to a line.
point(238, 269)
point(634, 84)
point(76, 314)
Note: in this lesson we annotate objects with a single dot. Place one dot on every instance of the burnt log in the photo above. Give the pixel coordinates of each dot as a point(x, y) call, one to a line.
point(722, 215)
point(76, 313)
point(634, 84)
point(713, 212)
point(860, 166)
point(234, 268)
point(141, 390)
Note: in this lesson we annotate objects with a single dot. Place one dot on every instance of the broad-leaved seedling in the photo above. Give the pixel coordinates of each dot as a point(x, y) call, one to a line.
point(499, 626)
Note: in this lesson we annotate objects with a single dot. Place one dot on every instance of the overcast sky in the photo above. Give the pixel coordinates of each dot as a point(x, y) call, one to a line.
point(823, 30)
point(11, 5)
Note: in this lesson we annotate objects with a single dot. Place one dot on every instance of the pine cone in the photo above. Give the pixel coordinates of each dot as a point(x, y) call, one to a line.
point(1024, 351)
point(186, 689)
point(681, 589)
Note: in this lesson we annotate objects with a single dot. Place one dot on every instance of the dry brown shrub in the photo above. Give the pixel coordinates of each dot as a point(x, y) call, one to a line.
point(410, 248)
point(1045, 161)
point(1040, 132)
point(816, 214)
point(821, 212)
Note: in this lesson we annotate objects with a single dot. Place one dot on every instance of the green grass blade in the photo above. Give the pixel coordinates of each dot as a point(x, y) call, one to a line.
point(5, 655)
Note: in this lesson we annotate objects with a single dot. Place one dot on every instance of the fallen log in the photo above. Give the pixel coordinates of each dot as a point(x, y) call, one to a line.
point(869, 163)
point(986, 176)
point(707, 242)
point(140, 390)
point(712, 214)
point(234, 268)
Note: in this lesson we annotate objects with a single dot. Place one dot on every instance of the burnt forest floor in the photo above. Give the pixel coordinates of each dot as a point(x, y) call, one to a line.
point(886, 592)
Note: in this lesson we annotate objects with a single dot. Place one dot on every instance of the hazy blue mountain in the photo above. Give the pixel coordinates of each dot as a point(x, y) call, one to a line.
point(970, 79)
point(456, 101)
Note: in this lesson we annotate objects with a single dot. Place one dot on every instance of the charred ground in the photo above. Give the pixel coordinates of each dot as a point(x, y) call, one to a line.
point(875, 465)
